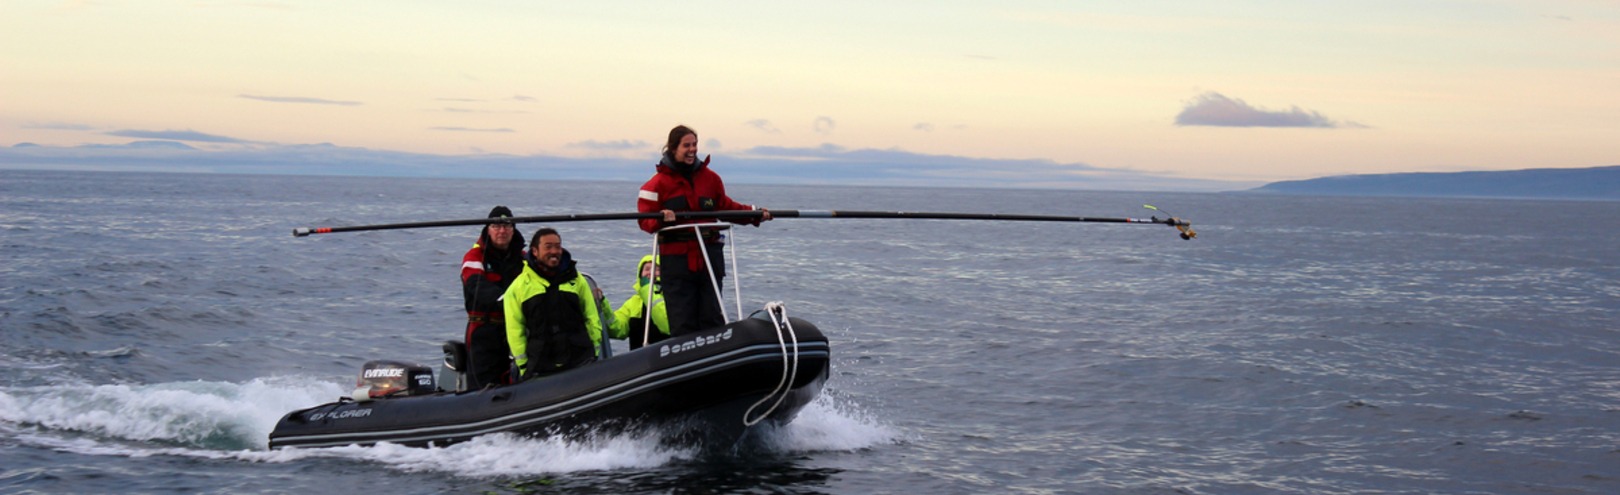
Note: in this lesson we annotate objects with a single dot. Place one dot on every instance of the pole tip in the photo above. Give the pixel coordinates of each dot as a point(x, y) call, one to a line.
point(300, 231)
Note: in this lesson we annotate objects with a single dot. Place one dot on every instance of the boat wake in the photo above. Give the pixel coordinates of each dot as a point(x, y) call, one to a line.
point(198, 414)
point(229, 421)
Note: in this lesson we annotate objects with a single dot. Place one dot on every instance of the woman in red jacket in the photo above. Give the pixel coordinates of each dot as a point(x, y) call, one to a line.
point(682, 183)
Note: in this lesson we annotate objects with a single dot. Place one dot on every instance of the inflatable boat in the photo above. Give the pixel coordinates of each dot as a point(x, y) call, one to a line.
point(760, 369)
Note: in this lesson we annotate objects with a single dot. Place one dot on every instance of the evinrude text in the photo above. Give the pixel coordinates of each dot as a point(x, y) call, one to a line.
point(385, 373)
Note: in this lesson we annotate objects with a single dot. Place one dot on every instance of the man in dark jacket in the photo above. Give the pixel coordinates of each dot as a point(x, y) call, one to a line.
point(486, 271)
point(552, 321)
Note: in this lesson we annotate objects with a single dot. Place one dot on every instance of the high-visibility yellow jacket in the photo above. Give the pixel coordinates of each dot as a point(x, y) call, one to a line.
point(628, 320)
point(525, 342)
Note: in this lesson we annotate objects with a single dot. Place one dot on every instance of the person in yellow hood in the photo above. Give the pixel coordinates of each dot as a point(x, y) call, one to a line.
point(629, 322)
point(552, 323)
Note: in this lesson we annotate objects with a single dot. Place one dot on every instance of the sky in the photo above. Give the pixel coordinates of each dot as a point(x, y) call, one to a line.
point(1193, 94)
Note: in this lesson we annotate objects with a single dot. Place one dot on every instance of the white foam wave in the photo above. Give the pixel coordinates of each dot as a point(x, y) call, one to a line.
point(198, 413)
point(828, 424)
point(224, 421)
point(824, 425)
point(504, 454)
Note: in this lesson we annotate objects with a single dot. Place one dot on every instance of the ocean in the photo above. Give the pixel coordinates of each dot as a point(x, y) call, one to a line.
point(153, 328)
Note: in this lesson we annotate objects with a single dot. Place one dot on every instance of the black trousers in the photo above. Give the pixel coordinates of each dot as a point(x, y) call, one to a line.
point(639, 331)
point(689, 296)
point(489, 357)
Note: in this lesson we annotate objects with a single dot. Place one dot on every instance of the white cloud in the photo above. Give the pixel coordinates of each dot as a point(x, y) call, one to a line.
point(1215, 109)
point(619, 145)
point(763, 125)
point(186, 135)
point(300, 99)
point(471, 129)
point(58, 126)
point(474, 110)
point(824, 125)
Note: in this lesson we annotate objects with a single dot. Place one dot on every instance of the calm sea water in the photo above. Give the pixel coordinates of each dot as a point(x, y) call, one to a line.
point(153, 327)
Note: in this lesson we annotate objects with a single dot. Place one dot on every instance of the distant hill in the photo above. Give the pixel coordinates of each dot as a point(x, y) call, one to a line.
point(827, 164)
point(1562, 183)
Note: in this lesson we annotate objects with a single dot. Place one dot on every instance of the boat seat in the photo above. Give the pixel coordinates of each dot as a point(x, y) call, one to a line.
point(455, 355)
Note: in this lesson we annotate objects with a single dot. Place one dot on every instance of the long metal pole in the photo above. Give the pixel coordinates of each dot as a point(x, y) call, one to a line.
point(746, 214)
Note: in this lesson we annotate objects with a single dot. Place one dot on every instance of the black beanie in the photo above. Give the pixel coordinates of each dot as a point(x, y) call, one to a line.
point(500, 212)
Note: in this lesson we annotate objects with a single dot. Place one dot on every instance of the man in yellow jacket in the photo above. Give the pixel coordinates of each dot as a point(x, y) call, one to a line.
point(552, 324)
point(629, 322)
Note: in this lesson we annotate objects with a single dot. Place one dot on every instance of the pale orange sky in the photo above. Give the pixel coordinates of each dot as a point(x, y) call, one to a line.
point(1308, 88)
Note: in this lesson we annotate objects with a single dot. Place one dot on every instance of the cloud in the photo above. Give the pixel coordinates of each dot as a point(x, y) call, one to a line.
point(824, 125)
point(186, 135)
point(763, 125)
point(1215, 109)
point(318, 159)
point(923, 126)
point(522, 98)
point(254, 5)
point(140, 146)
point(57, 126)
point(300, 99)
point(826, 150)
point(462, 100)
point(474, 110)
point(620, 145)
point(471, 129)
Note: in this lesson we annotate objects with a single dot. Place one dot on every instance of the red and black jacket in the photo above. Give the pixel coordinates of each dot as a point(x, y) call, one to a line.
point(485, 273)
point(697, 189)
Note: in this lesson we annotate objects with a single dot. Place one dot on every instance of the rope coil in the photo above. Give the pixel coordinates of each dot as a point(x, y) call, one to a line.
point(790, 363)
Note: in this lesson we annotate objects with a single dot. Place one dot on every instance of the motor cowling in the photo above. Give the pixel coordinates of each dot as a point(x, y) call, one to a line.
point(384, 378)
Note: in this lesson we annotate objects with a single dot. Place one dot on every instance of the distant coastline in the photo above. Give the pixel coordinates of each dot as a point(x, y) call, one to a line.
point(785, 166)
point(826, 165)
point(1595, 183)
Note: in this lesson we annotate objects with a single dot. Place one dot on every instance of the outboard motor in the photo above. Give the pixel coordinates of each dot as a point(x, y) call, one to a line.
point(383, 379)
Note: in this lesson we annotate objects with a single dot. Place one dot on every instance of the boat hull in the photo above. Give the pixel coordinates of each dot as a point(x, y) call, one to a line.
point(705, 377)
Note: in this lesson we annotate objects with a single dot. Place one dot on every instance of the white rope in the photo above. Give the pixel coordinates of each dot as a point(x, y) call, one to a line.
point(790, 372)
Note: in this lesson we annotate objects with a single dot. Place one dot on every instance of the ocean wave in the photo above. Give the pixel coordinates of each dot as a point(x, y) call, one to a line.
point(225, 421)
point(213, 415)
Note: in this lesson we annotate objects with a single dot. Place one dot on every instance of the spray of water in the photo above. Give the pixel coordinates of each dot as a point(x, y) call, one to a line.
point(219, 420)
